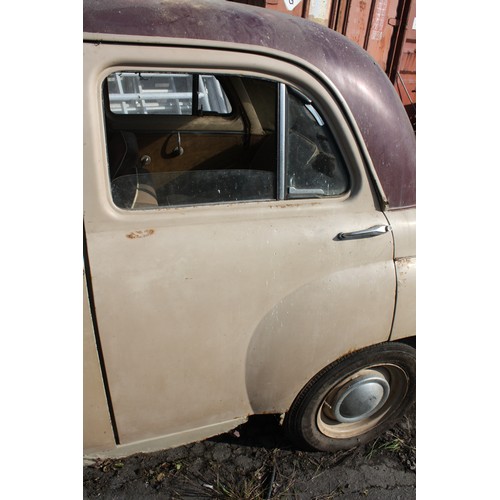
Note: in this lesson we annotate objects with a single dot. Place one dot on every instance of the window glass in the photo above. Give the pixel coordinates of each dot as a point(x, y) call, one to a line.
point(211, 96)
point(161, 153)
point(314, 165)
point(140, 93)
point(178, 139)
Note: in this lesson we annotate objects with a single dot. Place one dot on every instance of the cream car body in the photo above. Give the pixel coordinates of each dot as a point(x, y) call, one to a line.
point(199, 315)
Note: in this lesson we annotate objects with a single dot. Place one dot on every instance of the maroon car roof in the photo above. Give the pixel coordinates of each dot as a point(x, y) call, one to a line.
point(372, 99)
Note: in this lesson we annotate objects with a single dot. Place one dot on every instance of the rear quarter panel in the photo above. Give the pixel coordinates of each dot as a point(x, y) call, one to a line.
point(403, 224)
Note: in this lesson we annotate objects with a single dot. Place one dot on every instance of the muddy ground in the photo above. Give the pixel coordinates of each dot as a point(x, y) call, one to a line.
point(256, 462)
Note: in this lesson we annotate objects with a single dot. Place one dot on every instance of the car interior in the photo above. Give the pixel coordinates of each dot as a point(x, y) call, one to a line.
point(177, 139)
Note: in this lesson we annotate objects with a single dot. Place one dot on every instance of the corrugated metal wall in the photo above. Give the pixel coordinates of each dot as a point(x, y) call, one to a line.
point(384, 28)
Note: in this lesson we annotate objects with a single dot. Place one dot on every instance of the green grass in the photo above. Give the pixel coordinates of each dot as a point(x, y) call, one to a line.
point(392, 445)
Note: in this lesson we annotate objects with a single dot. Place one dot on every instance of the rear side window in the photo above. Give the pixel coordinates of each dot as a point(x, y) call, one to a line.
point(176, 139)
point(133, 93)
point(314, 164)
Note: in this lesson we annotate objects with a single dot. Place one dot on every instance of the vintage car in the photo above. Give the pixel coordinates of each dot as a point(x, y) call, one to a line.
point(249, 216)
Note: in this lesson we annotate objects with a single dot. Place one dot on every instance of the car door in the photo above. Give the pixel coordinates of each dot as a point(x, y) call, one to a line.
point(211, 309)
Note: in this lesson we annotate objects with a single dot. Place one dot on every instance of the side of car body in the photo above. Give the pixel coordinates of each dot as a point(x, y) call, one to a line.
point(236, 246)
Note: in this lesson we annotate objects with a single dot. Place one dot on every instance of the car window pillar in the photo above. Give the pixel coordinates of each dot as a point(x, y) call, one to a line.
point(281, 140)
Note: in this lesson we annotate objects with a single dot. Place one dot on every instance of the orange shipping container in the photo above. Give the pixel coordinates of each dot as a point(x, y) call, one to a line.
point(386, 29)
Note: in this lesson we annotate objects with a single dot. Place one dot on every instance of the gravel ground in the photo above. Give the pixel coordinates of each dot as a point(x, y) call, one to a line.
point(255, 462)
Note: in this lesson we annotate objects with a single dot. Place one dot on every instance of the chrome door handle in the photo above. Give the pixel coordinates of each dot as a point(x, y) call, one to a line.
point(364, 233)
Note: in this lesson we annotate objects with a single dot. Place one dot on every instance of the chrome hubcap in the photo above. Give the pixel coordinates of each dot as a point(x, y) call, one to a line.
point(360, 398)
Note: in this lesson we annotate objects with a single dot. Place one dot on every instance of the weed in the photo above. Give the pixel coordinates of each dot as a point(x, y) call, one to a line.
point(392, 445)
point(264, 483)
point(251, 488)
point(158, 474)
point(107, 465)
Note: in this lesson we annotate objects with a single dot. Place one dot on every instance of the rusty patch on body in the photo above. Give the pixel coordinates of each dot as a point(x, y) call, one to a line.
point(404, 263)
point(140, 234)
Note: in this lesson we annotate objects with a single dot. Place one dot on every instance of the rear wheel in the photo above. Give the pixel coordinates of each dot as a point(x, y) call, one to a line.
point(355, 398)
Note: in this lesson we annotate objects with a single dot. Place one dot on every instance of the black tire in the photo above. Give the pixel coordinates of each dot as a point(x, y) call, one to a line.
point(353, 400)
